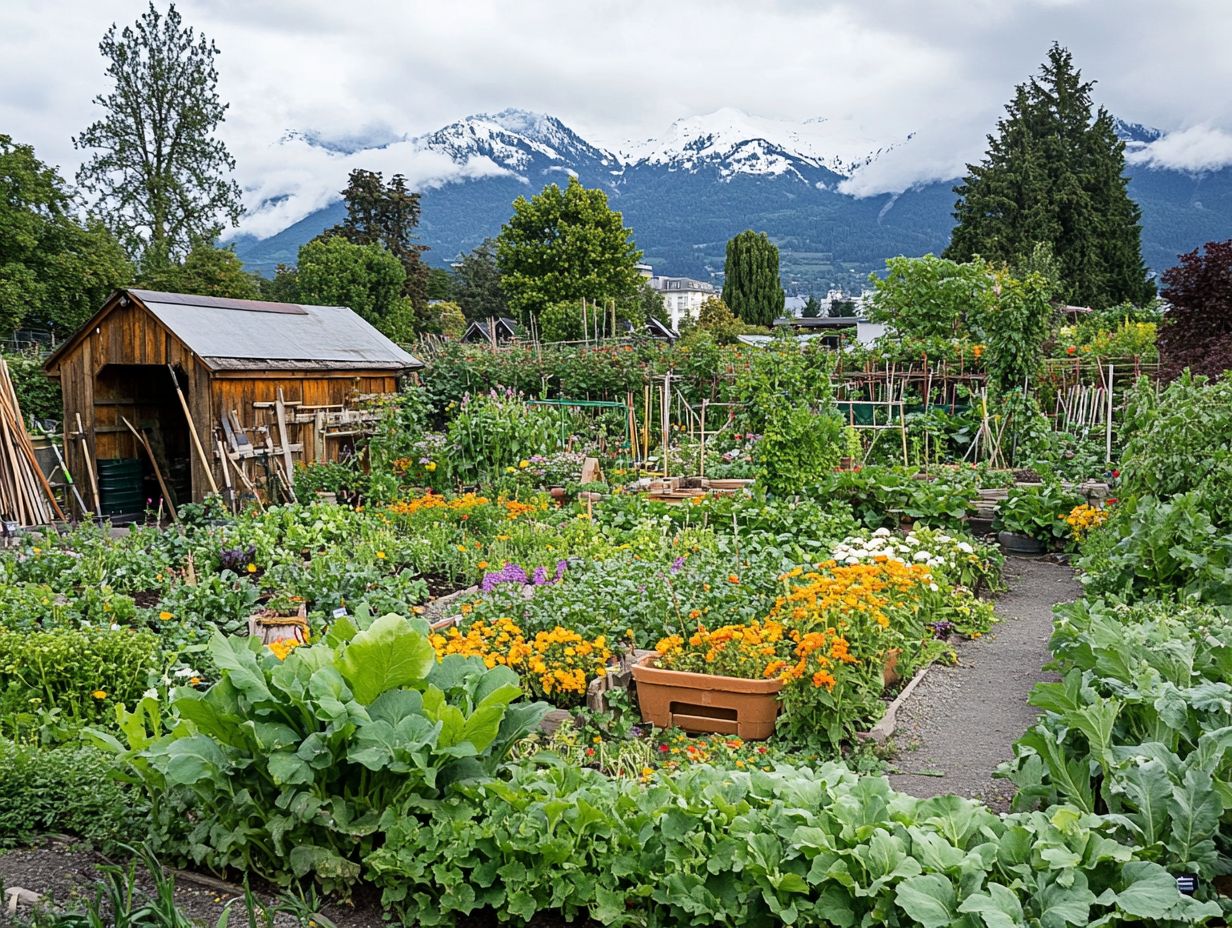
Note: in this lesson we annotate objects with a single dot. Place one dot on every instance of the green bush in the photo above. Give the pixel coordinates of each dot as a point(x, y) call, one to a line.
point(82, 673)
point(65, 790)
point(711, 847)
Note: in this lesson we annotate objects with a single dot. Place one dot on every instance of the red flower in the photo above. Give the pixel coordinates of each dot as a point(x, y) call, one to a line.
point(1070, 350)
point(1116, 473)
point(663, 749)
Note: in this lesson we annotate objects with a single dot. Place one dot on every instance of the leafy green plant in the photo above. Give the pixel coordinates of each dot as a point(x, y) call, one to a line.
point(81, 672)
point(303, 763)
point(1038, 512)
point(1139, 727)
point(68, 789)
point(1150, 548)
point(809, 847)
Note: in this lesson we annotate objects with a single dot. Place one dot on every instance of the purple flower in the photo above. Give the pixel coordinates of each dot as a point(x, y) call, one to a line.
point(677, 565)
point(561, 566)
point(540, 576)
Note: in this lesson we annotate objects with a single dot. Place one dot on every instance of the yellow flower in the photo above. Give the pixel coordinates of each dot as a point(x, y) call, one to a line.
point(430, 466)
point(511, 470)
point(523, 463)
point(99, 694)
point(194, 681)
point(251, 568)
point(165, 615)
point(418, 610)
point(380, 555)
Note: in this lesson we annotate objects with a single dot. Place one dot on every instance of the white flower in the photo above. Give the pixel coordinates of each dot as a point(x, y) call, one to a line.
point(853, 560)
point(115, 627)
point(965, 548)
point(933, 587)
point(944, 539)
point(922, 556)
point(151, 693)
point(186, 672)
point(881, 533)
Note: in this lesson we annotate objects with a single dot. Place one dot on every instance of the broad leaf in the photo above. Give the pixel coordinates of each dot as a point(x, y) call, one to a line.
point(386, 655)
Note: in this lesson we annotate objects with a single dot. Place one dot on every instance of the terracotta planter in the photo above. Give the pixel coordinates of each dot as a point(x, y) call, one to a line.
point(558, 493)
point(270, 627)
point(889, 670)
point(704, 703)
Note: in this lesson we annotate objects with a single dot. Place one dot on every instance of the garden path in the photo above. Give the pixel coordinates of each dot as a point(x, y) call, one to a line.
point(960, 722)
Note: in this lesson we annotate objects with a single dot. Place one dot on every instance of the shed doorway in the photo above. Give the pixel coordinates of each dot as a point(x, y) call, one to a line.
point(144, 395)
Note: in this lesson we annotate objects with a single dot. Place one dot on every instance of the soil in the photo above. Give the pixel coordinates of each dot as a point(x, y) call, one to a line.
point(961, 721)
point(66, 874)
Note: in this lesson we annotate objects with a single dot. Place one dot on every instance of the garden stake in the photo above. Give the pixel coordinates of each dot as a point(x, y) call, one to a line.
point(192, 428)
point(85, 456)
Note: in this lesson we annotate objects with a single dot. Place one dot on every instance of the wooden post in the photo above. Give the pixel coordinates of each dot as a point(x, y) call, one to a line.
point(1108, 433)
point(88, 457)
point(206, 464)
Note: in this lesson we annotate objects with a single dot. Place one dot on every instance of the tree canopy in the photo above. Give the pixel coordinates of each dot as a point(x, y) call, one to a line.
point(367, 278)
point(477, 283)
point(55, 271)
point(159, 176)
point(387, 215)
point(563, 245)
point(1054, 175)
point(751, 285)
point(205, 270)
point(1197, 329)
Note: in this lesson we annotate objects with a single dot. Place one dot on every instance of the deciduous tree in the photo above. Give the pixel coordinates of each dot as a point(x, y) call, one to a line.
point(158, 174)
point(205, 270)
point(751, 285)
point(564, 245)
point(367, 278)
point(55, 271)
point(1197, 329)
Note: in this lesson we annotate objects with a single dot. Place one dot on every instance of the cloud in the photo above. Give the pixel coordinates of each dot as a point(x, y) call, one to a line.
point(294, 178)
point(1196, 149)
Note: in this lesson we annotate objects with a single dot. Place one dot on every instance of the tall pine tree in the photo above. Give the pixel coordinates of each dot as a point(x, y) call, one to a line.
point(751, 285)
point(1054, 175)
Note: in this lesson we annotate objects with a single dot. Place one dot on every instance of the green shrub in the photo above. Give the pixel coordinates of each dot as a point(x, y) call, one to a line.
point(65, 790)
point(82, 673)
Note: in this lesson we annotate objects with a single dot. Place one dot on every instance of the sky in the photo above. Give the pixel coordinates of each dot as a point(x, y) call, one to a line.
point(618, 71)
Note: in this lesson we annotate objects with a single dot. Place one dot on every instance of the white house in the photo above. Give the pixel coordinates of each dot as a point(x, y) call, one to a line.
point(682, 296)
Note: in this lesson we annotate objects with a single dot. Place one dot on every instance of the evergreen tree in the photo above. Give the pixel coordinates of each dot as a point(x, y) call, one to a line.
point(751, 285)
point(160, 176)
point(1054, 176)
point(386, 215)
point(477, 283)
point(812, 308)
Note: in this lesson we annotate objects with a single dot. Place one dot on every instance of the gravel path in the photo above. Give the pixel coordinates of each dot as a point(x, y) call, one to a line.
point(961, 721)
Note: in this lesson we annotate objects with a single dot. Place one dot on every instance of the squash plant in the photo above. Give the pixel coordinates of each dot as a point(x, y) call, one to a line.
point(298, 766)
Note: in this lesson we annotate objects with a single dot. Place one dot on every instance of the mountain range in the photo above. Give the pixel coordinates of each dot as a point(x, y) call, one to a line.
point(684, 194)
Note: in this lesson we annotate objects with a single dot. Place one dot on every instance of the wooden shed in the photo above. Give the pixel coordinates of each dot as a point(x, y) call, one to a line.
point(261, 381)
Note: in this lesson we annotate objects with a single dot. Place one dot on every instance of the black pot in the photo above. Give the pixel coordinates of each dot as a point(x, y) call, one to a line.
point(1014, 543)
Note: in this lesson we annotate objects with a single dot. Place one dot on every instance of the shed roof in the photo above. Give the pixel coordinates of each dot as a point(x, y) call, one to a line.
point(257, 335)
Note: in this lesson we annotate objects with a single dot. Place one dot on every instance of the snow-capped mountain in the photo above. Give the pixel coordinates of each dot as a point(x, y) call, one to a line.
point(686, 192)
point(738, 143)
point(515, 139)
